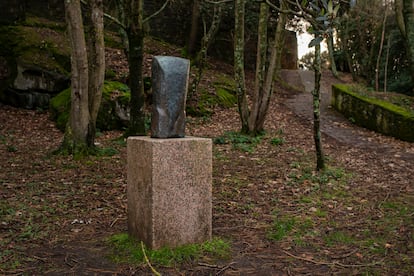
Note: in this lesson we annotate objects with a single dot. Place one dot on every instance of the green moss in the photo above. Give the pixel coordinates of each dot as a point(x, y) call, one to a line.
point(225, 91)
point(386, 105)
point(373, 113)
point(60, 108)
point(34, 21)
point(36, 46)
point(107, 119)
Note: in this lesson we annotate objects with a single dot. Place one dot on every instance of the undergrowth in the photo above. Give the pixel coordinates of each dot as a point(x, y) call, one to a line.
point(127, 250)
point(239, 141)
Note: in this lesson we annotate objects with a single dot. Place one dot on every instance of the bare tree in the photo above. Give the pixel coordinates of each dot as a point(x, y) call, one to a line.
point(88, 70)
point(266, 70)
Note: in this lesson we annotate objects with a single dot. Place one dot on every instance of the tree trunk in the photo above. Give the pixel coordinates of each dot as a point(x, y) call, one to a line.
point(346, 50)
point(195, 17)
point(377, 67)
point(77, 130)
point(320, 160)
point(408, 11)
point(261, 56)
point(265, 77)
point(330, 42)
point(136, 48)
point(387, 60)
point(121, 8)
point(239, 9)
point(96, 60)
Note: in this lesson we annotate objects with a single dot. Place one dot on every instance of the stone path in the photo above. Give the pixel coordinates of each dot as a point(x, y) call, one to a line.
point(333, 123)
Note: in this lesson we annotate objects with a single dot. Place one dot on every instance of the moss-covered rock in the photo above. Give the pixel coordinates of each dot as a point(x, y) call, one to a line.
point(36, 57)
point(113, 113)
point(374, 114)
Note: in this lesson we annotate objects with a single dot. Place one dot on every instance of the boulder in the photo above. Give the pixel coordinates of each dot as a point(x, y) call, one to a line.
point(113, 113)
point(33, 87)
point(34, 63)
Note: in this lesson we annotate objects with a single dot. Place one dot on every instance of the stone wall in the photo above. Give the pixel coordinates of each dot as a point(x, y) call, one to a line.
point(373, 114)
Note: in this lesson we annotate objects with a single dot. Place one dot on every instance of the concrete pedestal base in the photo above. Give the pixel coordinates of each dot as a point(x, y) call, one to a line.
point(169, 190)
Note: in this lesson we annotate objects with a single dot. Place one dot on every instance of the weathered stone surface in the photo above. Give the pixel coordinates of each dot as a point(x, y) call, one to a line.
point(290, 51)
point(33, 87)
point(169, 88)
point(372, 113)
point(169, 190)
point(33, 78)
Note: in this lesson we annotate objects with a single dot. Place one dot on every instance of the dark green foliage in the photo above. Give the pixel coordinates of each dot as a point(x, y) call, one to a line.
point(359, 42)
point(277, 141)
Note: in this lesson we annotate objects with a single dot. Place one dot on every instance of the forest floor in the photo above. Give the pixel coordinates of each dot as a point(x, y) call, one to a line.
point(280, 216)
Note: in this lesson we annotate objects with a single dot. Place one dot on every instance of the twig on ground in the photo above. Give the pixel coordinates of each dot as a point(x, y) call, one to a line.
point(16, 271)
point(67, 261)
point(345, 255)
point(113, 222)
point(329, 263)
point(148, 262)
point(208, 265)
point(220, 268)
point(225, 268)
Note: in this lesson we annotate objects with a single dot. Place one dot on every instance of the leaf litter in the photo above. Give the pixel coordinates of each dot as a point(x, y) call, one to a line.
point(356, 218)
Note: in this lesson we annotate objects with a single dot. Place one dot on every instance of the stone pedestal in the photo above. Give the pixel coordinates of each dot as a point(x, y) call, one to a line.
point(169, 190)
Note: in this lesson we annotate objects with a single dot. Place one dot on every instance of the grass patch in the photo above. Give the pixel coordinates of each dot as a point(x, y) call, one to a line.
point(277, 141)
point(291, 226)
point(281, 227)
point(242, 142)
point(338, 237)
point(106, 151)
point(127, 250)
point(304, 173)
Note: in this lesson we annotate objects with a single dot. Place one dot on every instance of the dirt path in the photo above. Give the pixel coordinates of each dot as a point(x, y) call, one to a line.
point(333, 123)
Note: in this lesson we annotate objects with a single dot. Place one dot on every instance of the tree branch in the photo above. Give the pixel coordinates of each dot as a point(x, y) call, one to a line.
point(115, 20)
point(157, 12)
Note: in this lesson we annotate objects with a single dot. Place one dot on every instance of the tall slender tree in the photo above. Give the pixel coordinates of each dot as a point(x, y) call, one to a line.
point(135, 32)
point(88, 69)
point(252, 119)
point(321, 14)
point(239, 74)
